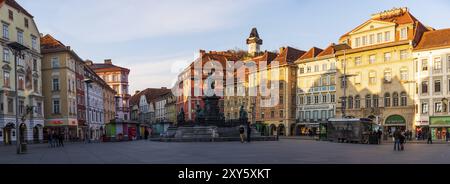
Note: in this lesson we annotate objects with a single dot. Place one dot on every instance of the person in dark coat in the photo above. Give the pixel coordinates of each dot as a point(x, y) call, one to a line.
point(249, 132)
point(379, 135)
point(242, 133)
point(429, 138)
point(402, 139)
point(61, 139)
point(447, 136)
point(397, 135)
point(51, 140)
point(146, 133)
point(55, 139)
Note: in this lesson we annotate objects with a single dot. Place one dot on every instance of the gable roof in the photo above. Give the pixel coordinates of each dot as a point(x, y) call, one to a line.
point(288, 55)
point(312, 53)
point(398, 16)
point(328, 51)
point(50, 45)
point(99, 67)
point(49, 42)
point(434, 39)
point(17, 6)
point(151, 94)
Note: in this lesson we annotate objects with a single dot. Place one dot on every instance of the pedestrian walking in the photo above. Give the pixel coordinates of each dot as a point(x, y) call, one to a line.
point(249, 132)
point(447, 136)
point(241, 133)
point(430, 138)
point(61, 139)
point(50, 139)
point(397, 135)
point(146, 134)
point(402, 139)
point(55, 139)
point(379, 134)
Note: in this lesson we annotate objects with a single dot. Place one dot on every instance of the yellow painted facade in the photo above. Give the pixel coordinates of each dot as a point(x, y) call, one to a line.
point(380, 72)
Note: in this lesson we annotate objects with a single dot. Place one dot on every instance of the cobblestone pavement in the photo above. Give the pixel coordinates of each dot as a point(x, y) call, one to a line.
point(286, 151)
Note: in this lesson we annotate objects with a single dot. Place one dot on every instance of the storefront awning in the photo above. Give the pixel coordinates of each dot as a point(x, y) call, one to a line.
point(395, 120)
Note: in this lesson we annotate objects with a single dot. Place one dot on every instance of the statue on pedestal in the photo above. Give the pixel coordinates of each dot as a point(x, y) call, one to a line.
point(180, 117)
point(199, 115)
point(243, 115)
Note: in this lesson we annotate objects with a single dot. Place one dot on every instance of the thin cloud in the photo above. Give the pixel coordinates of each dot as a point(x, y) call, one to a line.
point(109, 21)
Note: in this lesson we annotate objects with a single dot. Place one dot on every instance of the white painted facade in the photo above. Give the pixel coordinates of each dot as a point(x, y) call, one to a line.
point(433, 74)
point(160, 110)
point(95, 110)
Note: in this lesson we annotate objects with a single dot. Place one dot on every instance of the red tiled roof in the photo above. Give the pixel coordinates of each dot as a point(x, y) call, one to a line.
point(98, 67)
point(312, 53)
point(151, 94)
point(17, 6)
point(328, 51)
point(289, 55)
point(49, 42)
point(405, 18)
point(434, 39)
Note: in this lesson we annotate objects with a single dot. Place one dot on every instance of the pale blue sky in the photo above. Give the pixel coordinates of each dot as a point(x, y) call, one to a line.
point(155, 38)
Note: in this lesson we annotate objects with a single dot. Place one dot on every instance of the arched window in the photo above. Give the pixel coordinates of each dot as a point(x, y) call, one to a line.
point(395, 99)
point(387, 100)
point(375, 101)
point(404, 99)
point(350, 102)
point(368, 101)
point(357, 102)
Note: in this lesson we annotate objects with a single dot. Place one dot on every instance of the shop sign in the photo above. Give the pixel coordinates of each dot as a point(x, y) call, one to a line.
point(395, 120)
point(422, 123)
point(73, 123)
point(56, 123)
point(441, 120)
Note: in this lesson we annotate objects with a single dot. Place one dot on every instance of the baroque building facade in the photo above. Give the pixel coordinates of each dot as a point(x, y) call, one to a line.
point(19, 26)
point(377, 75)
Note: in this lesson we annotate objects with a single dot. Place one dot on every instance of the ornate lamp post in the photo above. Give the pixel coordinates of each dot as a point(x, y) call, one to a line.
point(17, 49)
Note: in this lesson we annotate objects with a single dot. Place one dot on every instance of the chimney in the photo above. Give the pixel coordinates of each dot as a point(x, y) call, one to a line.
point(108, 61)
point(202, 52)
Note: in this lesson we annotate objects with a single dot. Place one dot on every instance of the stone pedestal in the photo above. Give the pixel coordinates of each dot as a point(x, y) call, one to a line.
point(197, 132)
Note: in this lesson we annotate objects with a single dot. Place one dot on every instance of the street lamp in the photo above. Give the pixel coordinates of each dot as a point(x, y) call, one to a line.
point(17, 49)
point(88, 81)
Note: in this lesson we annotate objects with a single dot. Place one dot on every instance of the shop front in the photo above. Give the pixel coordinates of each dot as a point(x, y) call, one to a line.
point(422, 130)
point(307, 129)
point(439, 126)
point(393, 123)
point(68, 127)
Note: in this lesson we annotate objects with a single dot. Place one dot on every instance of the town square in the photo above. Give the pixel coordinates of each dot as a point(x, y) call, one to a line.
point(224, 82)
point(286, 151)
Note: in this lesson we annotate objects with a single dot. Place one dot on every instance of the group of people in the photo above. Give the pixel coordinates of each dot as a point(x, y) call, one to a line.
point(400, 137)
point(56, 139)
point(242, 134)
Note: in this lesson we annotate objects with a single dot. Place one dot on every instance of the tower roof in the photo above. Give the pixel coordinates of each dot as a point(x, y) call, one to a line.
point(254, 37)
point(254, 33)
